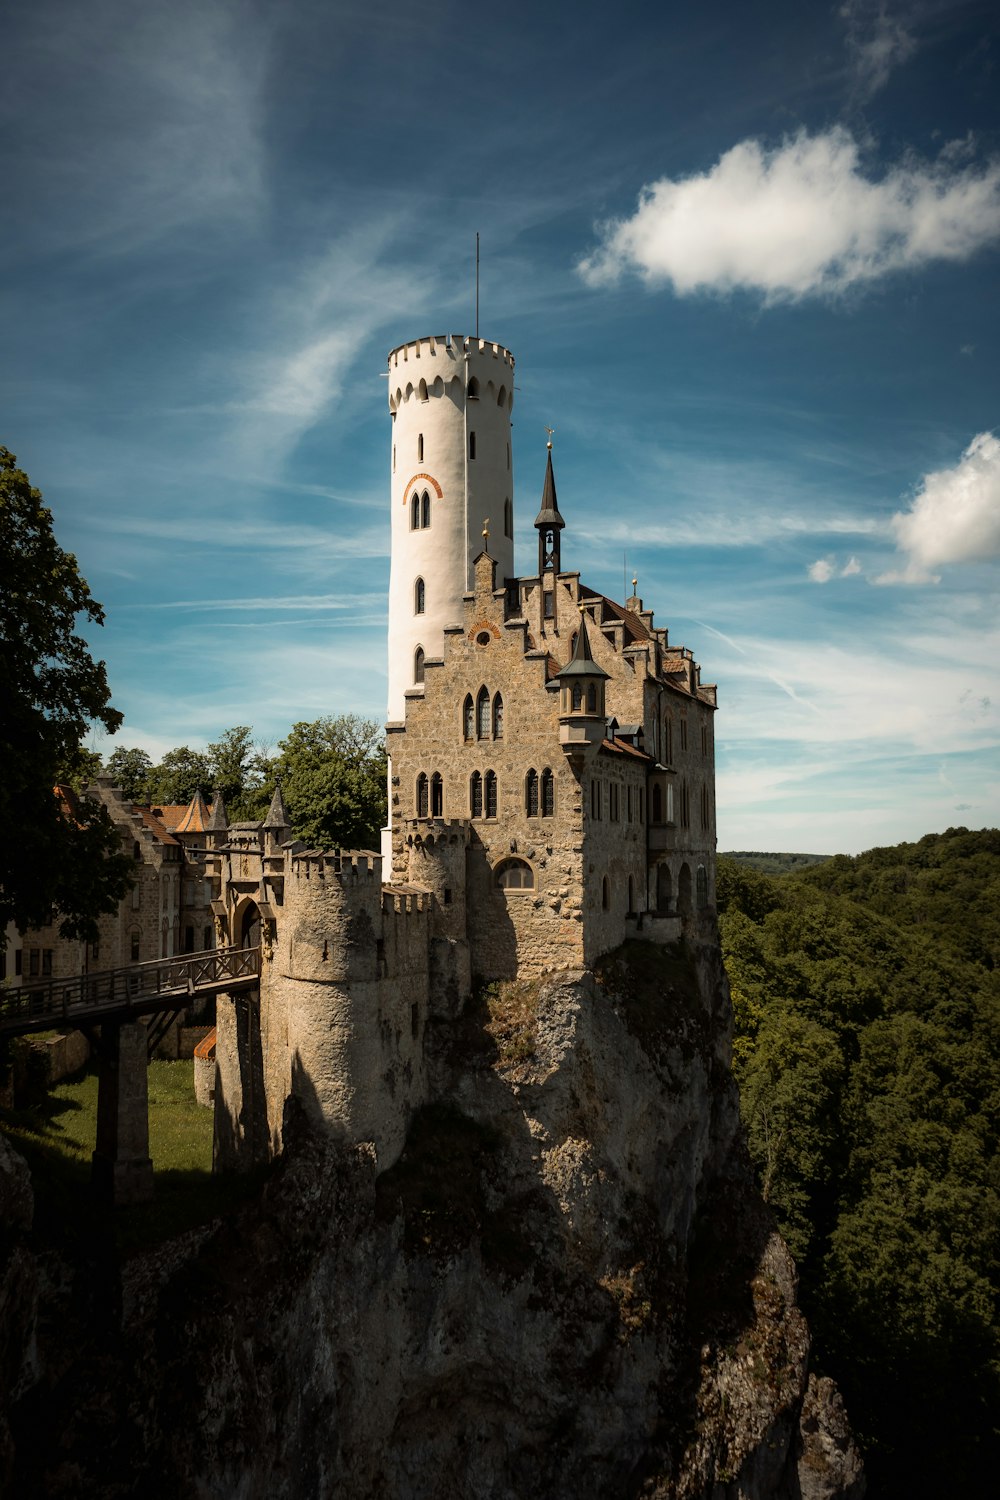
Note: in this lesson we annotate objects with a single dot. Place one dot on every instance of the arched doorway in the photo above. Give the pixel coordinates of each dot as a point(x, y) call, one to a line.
point(250, 926)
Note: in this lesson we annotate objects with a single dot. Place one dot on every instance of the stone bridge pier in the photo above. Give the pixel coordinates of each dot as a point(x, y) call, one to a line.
point(122, 1171)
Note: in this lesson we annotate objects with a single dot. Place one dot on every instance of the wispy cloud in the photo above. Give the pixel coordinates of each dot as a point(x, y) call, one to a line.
point(877, 43)
point(954, 516)
point(798, 220)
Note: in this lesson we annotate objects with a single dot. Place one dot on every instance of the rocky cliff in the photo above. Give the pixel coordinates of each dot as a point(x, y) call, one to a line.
point(565, 1287)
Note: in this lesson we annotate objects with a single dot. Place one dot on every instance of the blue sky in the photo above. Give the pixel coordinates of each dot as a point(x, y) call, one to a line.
point(746, 257)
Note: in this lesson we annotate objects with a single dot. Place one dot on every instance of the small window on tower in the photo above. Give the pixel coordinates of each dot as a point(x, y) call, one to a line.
point(472, 445)
point(420, 447)
point(508, 519)
point(414, 513)
point(418, 664)
point(550, 604)
point(473, 389)
point(425, 509)
point(419, 597)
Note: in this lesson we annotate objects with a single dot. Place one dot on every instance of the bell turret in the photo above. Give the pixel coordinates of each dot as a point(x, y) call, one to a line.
point(549, 525)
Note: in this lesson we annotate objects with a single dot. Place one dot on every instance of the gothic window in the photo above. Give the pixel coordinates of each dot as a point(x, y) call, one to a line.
point(437, 796)
point(704, 739)
point(685, 806)
point(628, 803)
point(577, 697)
point(483, 714)
point(704, 807)
point(508, 519)
point(591, 699)
point(475, 795)
point(414, 513)
point(418, 664)
point(548, 793)
point(684, 734)
point(473, 389)
point(531, 794)
point(613, 800)
point(596, 798)
point(425, 509)
point(491, 794)
point(668, 740)
point(515, 875)
point(468, 718)
point(472, 445)
point(419, 597)
point(421, 796)
point(670, 802)
point(498, 717)
point(420, 448)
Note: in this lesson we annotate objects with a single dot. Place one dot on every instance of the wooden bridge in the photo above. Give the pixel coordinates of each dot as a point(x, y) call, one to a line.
point(167, 984)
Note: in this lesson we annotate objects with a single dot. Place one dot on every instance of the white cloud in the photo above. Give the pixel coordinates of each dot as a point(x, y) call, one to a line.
point(877, 43)
point(821, 571)
point(954, 517)
point(797, 220)
point(851, 567)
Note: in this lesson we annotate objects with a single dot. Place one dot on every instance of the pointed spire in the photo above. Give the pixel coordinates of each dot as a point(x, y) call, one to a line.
point(582, 663)
point(549, 516)
point(218, 822)
point(277, 813)
point(195, 820)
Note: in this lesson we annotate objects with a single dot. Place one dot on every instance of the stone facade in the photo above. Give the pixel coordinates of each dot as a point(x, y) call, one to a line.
point(551, 794)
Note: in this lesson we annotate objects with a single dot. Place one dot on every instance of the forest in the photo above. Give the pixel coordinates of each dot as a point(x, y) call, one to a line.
point(866, 995)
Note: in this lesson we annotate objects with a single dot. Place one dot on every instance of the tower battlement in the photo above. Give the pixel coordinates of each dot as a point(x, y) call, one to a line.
point(448, 346)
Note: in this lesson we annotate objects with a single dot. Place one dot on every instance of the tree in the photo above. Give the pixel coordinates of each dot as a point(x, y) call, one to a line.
point(51, 692)
point(240, 769)
point(333, 780)
point(180, 774)
point(130, 770)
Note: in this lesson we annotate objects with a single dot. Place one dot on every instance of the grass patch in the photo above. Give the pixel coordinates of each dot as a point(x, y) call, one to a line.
point(57, 1136)
point(513, 1011)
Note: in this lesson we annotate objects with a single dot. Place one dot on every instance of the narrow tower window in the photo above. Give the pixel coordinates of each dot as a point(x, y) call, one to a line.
point(531, 794)
point(437, 796)
point(508, 519)
point(473, 389)
point(418, 664)
point(483, 714)
point(472, 445)
point(468, 718)
point(419, 597)
point(425, 509)
point(422, 391)
point(420, 447)
point(421, 796)
point(591, 699)
point(491, 794)
point(498, 717)
point(475, 795)
point(414, 513)
point(548, 793)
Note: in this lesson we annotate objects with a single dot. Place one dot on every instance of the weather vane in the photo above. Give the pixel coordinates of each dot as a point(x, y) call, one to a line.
point(486, 529)
point(550, 431)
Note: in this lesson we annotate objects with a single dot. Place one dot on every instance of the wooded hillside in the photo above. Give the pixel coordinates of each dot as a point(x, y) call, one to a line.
point(867, 1001)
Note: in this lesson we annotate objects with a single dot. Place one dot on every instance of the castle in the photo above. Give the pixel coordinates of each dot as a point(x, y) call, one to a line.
point(551, 791)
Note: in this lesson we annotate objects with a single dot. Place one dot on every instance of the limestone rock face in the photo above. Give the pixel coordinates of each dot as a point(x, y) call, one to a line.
point(565, 1287)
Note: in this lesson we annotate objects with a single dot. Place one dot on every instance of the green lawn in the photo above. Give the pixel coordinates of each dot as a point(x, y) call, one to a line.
point(57, 1138)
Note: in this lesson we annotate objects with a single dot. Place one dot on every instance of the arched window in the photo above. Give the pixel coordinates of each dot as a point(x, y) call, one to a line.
point(468, 718)
point(548, 793)
point(491, 794)
point(425, 509)
point(418, 664)
point(419, 597)
point(577, 697)
point(475, 795)
point(422, 391)
point(414, 513)
point(591, 699)
point(605, 894)
point(472, 445)
point(531, 794)
point(701, 887)
point(501, 395)
point(483, 714)
point(515, 875)
point(420, 447)
point(473, 389)
point(421, 796)
point(657, 804)
point(437, 796)
point(498, 717)
point(508, 519)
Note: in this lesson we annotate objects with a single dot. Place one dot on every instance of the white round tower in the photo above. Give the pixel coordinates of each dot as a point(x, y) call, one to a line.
point(450, 397)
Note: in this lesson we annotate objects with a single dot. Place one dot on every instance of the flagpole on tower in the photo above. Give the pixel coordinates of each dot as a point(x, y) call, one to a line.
point(477, 283)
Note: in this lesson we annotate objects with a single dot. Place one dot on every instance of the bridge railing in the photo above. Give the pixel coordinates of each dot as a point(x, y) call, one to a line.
point(136, 987)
